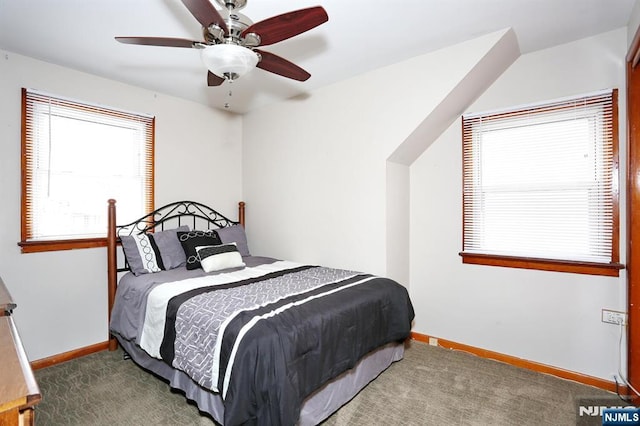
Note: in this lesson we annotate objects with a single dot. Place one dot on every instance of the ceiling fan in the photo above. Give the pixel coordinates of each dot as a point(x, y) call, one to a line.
point(229, 49)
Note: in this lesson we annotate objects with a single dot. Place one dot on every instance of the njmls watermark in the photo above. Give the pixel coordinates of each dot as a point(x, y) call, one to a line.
point(621, 416)
point(606, 412)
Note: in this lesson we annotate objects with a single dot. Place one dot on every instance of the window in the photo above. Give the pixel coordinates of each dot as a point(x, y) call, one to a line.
point(75, 156)
point(540, 186)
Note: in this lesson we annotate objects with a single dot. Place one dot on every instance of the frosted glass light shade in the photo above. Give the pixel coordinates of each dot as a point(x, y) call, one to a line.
point(229, 60)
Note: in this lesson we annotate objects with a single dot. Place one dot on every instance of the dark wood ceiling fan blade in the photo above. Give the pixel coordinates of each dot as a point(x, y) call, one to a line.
point(205, 13)
point(214, 80)
point(278, 65)
point(158, 41)
point(287, 25)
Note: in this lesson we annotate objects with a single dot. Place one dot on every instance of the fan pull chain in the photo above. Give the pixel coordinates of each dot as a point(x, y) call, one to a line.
point(229, 94)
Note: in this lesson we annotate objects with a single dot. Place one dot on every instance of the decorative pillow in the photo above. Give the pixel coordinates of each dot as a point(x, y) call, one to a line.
point(192, 239)
point(217, 258)
point(154, 252)
point(235, 234)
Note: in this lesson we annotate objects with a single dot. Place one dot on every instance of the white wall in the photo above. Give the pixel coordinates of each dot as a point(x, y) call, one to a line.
point(547, 317)
point(634, 23)
point(62, 296)
point(315, 172)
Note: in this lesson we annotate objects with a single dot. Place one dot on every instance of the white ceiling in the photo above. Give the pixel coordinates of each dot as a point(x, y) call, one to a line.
point(360, 35)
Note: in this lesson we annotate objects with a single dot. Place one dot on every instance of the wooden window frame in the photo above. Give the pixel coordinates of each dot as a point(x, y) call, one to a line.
point(27, 244)
point(611, 269)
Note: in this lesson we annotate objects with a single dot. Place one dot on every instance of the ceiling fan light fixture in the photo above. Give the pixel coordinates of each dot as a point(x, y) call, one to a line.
point(229, 60)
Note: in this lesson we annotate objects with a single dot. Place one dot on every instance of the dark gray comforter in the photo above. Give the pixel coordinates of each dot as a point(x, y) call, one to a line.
point(268, 342)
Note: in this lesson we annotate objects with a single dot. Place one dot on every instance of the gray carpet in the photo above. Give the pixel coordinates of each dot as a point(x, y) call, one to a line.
point(431, 386)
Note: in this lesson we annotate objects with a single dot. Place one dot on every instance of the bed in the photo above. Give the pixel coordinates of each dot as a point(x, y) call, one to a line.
point(249, 339)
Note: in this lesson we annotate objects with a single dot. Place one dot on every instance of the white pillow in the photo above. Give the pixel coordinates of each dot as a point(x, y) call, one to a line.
point(217, 258)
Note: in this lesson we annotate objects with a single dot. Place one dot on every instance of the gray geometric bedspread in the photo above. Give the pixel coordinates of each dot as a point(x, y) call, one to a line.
point(201, 319)
point(266, 340)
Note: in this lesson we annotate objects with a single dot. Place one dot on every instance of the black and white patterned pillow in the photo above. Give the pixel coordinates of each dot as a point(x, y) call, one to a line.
point(192, 239)
point(154, 252)
point(217, 258)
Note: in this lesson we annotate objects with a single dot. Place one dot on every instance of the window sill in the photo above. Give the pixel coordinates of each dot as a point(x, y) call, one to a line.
point(575, 267)
point(58, 245)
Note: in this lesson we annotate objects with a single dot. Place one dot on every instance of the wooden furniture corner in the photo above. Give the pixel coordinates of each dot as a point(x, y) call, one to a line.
point(7, 304)
point(19, 392)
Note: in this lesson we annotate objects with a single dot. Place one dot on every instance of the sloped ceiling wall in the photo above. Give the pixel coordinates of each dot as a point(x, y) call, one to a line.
point(496, 59)
point(315, 169)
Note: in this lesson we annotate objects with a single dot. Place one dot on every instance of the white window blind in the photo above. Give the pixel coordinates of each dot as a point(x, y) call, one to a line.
point(539, 181)
point(75, 157)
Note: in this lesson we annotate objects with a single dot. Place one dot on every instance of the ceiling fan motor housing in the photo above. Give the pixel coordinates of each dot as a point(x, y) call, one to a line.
point(236, 24)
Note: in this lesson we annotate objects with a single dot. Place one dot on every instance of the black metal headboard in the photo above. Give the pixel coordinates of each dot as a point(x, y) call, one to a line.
point(194, 214)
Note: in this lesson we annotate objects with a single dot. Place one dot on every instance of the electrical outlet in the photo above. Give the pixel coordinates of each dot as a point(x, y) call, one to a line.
point(433, 341)
point(614, 317)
